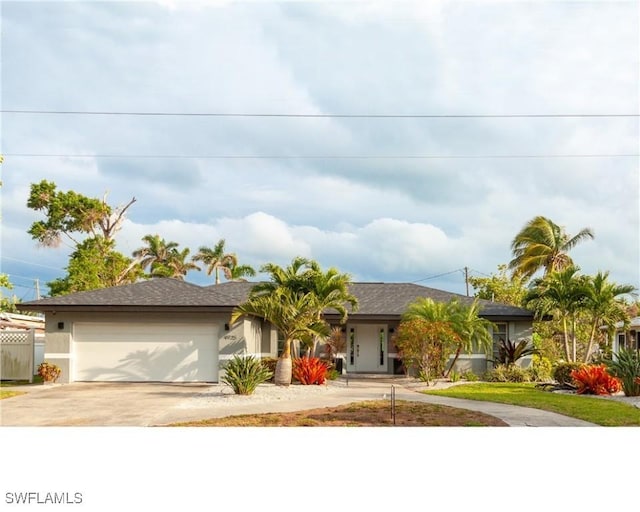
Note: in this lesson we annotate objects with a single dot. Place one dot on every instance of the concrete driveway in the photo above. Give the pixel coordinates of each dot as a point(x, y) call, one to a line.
point(156, 404)
point(96, 404)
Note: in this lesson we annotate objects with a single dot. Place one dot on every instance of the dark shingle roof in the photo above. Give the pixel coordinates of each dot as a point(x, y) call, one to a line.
point(375, 299)
point(160, 292)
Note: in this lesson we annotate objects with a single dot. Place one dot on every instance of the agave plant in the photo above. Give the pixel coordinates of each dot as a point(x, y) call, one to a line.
point(244, 374)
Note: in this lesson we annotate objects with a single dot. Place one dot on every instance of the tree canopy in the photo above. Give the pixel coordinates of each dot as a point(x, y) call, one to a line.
point(542, 244)
point(90, 225)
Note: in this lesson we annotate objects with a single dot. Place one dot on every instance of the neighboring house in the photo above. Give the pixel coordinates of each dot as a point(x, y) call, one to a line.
point(168, 330)
point(11, 322)
point(14, 321)
point(628, 338)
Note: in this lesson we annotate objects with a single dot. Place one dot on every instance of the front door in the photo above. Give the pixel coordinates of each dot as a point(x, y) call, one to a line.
point(367, 349)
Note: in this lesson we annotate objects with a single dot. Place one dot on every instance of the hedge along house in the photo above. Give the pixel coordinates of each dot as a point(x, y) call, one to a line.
point(166, 330)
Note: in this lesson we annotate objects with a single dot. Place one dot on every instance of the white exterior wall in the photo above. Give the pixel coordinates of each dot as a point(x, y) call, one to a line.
point(61, 348)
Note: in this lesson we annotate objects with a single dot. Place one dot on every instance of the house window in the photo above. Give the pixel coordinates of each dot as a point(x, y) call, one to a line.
point(622, 341)
point(280, 343)
point(383, 342)
point(352, 346)
point(499, 335)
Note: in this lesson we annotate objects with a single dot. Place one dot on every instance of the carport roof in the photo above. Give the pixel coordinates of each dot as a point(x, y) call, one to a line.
point(376, 300)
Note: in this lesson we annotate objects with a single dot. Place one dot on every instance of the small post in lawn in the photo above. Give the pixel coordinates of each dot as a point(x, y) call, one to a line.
point(393, 403)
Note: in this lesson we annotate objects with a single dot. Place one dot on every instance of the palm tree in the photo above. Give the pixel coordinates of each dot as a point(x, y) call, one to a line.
point(543, 244)
point(293, 314)
point(238, 272)
point(156, 253)
point(603, 303)
point(472, 331)
point(332, 291)
point(297, 276)
point(177, 265)
point(561, 294)
point(304, 285)
point(216, 259)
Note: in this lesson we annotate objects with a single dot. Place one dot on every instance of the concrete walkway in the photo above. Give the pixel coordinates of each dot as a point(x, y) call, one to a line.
point(148, 404)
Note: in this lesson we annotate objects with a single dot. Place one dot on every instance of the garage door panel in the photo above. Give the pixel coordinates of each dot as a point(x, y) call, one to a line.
point(146, 352)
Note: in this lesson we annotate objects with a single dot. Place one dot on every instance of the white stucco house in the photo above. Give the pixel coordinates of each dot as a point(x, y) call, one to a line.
point(167, 330)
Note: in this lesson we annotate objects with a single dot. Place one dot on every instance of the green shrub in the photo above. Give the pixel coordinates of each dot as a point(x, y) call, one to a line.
point(541, 369)
point(627, 368)
point(562, 372)
point(244, 374)
point(454, 376)
point(470, 376)
point(507, 373)
point(332, 374)
point(270, 364)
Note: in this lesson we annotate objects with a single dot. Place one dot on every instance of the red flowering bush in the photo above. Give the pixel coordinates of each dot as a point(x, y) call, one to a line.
point(594, 380)
point(310, 370)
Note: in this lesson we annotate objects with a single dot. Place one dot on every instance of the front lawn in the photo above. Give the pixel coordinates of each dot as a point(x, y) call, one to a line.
point(375, 413)
point(600, 411)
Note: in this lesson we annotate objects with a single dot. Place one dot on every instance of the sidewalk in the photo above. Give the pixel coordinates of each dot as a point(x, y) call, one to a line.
point(340, 393)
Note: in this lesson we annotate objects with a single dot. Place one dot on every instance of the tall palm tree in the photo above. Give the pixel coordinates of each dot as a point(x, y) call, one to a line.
point(215, 259)
point(238, 272)
point(543, 244)
point(177, 265)
point(156, 253)
point(561, 294)
point(303, 285)
point(602, 302)
point(297, 276)
point(332, 291)
point(293, 314)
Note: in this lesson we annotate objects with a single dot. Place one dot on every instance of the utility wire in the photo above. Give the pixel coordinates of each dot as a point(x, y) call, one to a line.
point(438, 275)
point(311, 116)
point(322, 157)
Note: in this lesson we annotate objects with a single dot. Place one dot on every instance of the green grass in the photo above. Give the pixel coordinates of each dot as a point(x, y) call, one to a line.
point(4, 393)
point(595, 410)
point(11, 383)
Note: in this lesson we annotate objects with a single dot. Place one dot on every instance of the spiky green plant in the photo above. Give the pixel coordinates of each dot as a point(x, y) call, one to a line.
point(626, 366)
point(510, 352)
point(244, 374)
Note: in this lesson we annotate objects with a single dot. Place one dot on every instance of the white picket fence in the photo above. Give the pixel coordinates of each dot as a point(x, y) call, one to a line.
point(17, 354)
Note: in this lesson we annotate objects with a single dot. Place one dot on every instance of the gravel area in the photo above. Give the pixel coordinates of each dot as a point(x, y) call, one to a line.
point(222, 395)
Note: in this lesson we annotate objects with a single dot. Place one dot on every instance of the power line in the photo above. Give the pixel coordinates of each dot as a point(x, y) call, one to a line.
point(321, 157)
point(311, 116)
point(31, 263)
point(438, 275)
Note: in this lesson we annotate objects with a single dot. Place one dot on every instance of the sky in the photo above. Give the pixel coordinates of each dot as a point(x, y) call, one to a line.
point(534, 111)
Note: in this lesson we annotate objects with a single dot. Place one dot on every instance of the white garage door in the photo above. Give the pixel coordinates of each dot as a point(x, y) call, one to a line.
point(145, 352)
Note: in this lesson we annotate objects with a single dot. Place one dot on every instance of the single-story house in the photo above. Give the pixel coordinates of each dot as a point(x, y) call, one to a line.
point(169, 330)
point(628, 338)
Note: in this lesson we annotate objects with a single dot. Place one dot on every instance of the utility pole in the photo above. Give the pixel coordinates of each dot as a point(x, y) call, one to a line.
point(466, 279)
point(37, 289)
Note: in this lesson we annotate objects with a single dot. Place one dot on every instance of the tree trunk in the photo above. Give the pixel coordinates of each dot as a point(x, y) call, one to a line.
point(453, 363)
point(591, 338)
point(566, 339)
point(574, 341)
point(283, 373)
